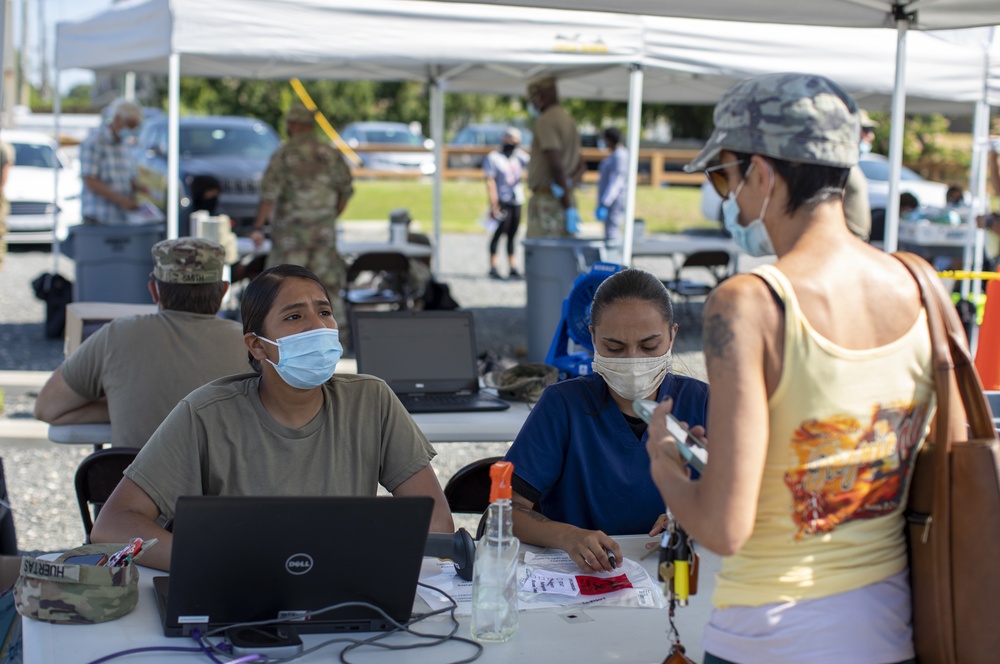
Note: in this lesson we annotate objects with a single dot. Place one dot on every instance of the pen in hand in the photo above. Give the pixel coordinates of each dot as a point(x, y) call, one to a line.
point(612, 559)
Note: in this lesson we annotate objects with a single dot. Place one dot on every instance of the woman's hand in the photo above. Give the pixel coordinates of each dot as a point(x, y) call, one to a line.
point(659, 526)
point(589, 549)
point(665, 462)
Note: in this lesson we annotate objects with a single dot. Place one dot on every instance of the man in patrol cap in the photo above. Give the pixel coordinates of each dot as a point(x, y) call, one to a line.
point(304, 191)
point(133, 371)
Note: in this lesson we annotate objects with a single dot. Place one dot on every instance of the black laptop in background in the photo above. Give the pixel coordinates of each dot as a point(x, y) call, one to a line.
point(428, 358)
point(242, 559)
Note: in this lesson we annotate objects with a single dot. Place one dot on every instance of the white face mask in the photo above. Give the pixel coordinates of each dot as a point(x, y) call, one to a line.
point(632, 377)
point(753, 237)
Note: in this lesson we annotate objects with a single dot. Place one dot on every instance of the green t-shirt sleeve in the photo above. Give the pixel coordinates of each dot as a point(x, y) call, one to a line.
point(405, 449)
point(169, 465)
point(84, 369)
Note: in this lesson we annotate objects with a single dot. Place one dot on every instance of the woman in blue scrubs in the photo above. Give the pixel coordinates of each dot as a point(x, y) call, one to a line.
point(581, 472)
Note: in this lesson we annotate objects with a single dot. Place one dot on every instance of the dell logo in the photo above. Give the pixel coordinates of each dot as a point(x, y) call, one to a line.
point(299, 563)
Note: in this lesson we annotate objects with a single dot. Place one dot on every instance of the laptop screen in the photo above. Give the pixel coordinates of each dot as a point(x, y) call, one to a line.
point(240, 559)
point(418, 351)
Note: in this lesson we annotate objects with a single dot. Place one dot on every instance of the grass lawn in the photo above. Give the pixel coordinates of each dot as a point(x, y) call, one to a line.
point(666, 209)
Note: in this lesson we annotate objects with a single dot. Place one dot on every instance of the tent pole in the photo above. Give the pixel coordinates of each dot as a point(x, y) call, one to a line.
point(173, 144)
point(56, 110)
point(634, 129)
point(896, 139)
point(973, 254)
point(437, 134)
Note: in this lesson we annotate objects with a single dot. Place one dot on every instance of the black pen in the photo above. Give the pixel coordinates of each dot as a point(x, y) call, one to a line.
point(612, 559)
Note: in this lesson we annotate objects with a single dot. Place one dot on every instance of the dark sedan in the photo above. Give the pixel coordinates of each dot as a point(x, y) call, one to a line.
point(232, 150)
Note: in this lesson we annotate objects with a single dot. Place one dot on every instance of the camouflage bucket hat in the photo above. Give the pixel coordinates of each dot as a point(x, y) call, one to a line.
point(526, 382)
point(795, 117)
point(188, 260)
point(55, 591)
point(298, 112)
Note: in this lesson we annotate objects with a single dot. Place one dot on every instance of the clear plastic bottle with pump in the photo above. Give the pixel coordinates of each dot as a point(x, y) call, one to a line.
point(494, 576)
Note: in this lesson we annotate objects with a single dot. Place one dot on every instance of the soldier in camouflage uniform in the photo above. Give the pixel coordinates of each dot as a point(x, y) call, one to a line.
point(6, 161)
point(307, 185)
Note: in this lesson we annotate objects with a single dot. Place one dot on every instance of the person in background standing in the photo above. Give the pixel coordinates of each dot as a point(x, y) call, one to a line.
point(611, 189)
point(107, 167)
point(306, 186)
point(555, 165)
point(503, 169)
point(6, 161)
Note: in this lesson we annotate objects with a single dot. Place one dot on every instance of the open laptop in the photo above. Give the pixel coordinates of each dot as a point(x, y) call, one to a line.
point(428, 358)
point(241, 559)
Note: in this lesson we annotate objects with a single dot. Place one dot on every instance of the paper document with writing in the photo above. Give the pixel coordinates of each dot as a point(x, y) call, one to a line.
point(550, 579)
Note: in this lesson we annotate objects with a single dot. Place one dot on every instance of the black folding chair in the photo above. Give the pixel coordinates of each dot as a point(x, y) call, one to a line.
point(96, 477)
point(468, 490)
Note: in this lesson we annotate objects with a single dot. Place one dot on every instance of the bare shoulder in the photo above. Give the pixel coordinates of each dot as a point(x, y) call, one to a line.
point(743, 304)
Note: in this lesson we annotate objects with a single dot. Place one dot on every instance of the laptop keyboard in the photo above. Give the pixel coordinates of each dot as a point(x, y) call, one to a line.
point(450, 403)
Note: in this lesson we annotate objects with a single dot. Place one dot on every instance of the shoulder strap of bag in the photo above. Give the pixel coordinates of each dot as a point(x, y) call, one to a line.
point(951, 352)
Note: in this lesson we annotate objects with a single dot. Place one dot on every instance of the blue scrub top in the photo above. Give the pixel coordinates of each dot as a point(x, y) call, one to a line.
point(577, 450)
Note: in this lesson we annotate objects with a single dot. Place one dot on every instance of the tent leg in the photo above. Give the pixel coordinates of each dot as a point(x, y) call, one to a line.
point(173, 145)
point(437, 134)
point(896, 139)
point(634, 129)
point(56, 111)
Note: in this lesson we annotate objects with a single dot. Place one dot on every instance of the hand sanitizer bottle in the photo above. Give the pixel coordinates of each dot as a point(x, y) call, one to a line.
point(494, 576)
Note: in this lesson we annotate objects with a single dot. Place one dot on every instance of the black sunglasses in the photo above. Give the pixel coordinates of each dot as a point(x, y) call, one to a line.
point(718, 178)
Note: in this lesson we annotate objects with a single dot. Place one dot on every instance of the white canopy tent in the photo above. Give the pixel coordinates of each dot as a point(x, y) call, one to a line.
point(902, 15)
point(484, 48)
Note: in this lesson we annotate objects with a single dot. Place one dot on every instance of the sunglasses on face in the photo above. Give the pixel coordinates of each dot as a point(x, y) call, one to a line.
point(717, 177)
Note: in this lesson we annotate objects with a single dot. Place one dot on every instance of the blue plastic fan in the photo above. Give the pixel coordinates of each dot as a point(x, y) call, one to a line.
point(575, 323)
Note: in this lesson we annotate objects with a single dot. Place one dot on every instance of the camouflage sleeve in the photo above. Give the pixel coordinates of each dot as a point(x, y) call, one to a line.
point(342, 176)
point(272, 182)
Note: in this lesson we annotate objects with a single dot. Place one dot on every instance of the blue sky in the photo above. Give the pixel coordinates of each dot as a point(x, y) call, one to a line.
point(53, 11)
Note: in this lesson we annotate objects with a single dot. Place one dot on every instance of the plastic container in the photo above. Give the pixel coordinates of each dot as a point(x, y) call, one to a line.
point(550, 267)
point(113, 263)
point(494, 575)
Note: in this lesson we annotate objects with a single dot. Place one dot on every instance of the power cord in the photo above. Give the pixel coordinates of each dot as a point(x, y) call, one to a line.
point(203, 647)
point(373, 641)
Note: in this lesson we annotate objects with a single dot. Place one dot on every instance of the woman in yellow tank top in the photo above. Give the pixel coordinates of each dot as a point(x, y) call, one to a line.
point(821, 396)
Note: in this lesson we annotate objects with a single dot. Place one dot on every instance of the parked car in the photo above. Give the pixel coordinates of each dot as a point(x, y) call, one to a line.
point(481, 135)
point(876, 170)
point(234, 150)
point(30, 189)
point(361, 134)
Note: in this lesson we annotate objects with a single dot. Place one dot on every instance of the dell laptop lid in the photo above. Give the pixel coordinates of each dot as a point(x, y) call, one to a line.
point(418, 352)
point(242, 559)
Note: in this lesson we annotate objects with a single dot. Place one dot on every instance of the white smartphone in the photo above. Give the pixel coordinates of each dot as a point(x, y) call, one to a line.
point(691, 448)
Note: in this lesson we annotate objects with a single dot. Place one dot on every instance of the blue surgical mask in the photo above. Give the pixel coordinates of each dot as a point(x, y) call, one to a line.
point(865, 147)
point(307, 359)
point(126, 135)
point(532, 110)
point(753, 237)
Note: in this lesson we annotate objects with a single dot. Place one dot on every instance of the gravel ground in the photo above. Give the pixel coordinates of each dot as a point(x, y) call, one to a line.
point(40, 476)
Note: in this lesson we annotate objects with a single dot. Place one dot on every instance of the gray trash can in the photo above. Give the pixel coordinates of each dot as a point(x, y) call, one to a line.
point(550, 267)
point(113, 262)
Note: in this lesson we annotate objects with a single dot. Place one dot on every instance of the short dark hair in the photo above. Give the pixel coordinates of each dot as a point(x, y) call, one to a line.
point(613, 135)
point(631, 284)
point(192, 298)
point(908, 200)
point(808, 184)
point(259, 296)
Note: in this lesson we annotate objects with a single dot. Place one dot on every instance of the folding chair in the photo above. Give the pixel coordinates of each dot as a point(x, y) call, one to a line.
point(717, 264)
point(468, 490)
point(386, 282)
point(96, 477)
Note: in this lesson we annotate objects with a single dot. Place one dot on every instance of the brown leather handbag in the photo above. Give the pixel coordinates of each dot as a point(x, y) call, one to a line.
point(953, 511)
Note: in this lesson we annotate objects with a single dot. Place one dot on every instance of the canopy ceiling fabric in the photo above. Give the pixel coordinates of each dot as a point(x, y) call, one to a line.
point(486, 48)
point(929, 14)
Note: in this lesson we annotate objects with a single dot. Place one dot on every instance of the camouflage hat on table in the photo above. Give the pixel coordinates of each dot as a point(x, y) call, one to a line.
point(188, 260)
point(800, 118)
point(526, 382)
point(298, 112)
